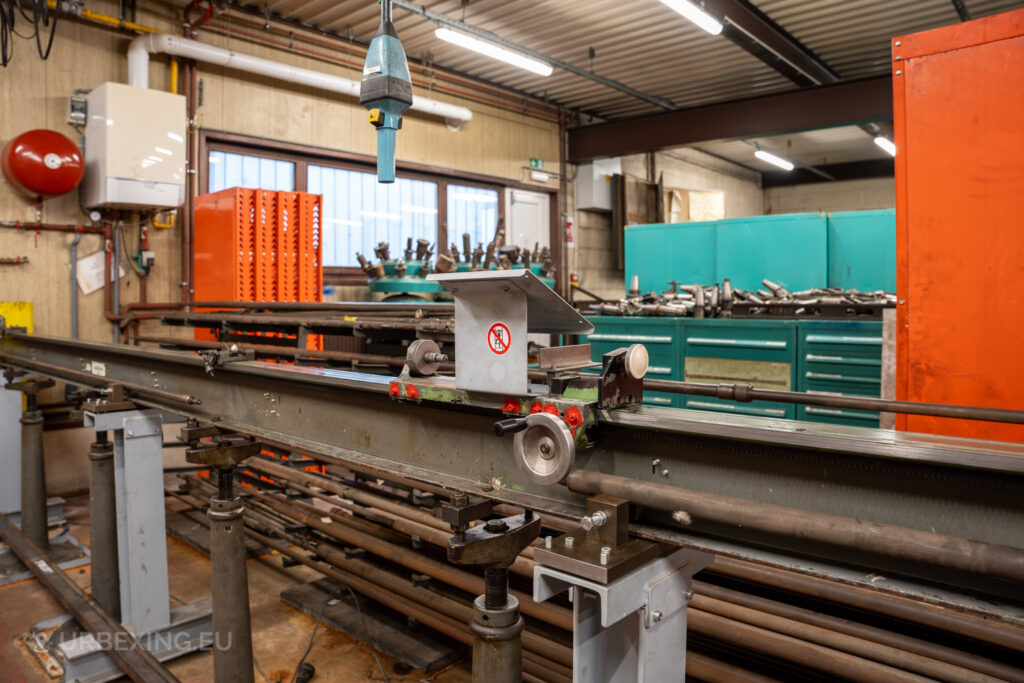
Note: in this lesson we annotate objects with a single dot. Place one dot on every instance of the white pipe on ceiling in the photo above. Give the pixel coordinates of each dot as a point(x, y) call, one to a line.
point(155, 43)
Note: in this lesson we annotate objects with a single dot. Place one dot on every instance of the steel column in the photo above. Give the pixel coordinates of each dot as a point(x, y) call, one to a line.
point(33, 477)
point(232, 659)
point(106, 583)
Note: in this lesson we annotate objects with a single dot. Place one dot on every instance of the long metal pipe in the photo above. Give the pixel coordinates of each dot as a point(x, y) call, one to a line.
point(986, 559)
point(963, 624)
point(743, 393)
point(133, 658)
point(818, 657)
point(90, 380)
point(962, 662)
point(142, 46)
point(842, 642)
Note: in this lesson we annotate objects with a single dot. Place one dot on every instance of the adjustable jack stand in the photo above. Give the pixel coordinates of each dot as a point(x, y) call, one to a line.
point(232, 627)
point(497, 626)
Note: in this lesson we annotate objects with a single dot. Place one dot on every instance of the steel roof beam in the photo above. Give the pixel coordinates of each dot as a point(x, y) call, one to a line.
point(840, 104)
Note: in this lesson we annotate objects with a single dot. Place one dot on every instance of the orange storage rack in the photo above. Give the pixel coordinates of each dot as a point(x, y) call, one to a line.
point(258, 245)
point(959, 123)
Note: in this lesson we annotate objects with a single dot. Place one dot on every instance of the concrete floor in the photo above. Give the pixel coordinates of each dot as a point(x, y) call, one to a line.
point(280, 632)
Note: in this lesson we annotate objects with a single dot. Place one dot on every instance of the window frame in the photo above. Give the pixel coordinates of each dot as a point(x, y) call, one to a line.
point(304, 155)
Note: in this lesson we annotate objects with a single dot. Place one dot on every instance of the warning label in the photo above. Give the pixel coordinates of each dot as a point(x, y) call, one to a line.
point(499, 338)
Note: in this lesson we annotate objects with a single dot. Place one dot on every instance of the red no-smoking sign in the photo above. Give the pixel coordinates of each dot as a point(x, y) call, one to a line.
point(499, 338)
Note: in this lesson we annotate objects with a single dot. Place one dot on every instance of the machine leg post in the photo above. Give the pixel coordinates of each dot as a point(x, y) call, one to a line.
point(33, 476)
point(497, 629)
point(232, 655)
point(106, 580)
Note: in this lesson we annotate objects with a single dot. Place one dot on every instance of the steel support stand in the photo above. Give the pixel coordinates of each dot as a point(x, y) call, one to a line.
point(126, 500)
point(632, 629)
point(232, 625)
point(497, 629)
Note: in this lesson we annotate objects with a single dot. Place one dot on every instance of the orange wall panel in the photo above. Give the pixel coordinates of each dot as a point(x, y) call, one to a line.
point(959, 126)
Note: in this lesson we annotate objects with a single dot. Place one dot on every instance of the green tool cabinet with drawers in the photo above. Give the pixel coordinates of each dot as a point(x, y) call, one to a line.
point(827, 356)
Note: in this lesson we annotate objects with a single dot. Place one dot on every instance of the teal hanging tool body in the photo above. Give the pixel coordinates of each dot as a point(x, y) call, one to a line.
point(386, 90)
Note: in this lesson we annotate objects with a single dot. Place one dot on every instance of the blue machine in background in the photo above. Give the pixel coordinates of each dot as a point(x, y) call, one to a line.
point(850, 250)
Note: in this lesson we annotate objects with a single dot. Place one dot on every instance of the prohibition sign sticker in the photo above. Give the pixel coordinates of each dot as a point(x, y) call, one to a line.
point(499, 338)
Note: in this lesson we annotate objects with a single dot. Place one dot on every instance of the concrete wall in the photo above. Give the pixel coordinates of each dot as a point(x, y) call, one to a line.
point(688, 169)
point(849, 195)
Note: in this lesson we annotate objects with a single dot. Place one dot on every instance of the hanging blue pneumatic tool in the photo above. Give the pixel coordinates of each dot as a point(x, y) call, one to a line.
point(386, 90)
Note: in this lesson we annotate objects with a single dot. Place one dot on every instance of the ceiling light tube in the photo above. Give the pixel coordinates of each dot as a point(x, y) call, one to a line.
point(886, 144)
point(494, 51)
point(696, 14)
point(774, 160)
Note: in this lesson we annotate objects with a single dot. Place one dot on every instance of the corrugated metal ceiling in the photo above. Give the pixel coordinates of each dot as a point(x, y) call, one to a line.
point(649, 47)
point(645, 44)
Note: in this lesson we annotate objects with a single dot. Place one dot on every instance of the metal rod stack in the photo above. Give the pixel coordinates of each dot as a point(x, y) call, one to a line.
point(744, 617)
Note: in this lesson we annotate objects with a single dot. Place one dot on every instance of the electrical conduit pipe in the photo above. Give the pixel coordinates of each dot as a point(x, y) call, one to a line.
point(142, 47)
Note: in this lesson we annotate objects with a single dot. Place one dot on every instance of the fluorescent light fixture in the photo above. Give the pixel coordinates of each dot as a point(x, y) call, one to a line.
point(342, 221)
point(469, 197)
point(772, 159)
point(418, 209)
point(696, 15)
point(381, 214)
point(540, 176)
point(494, 51)
point(886, 144)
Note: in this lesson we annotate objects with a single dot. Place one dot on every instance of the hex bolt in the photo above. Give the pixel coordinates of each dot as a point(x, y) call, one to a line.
point(664, 473)
point(569, 541)
point(547, 542)
point(597, 519)
point(606, 552)
point(459, 500)
point(656, 615)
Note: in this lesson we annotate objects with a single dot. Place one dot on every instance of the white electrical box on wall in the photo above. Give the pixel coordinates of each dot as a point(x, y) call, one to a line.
point(594, 183)
point(134, 148)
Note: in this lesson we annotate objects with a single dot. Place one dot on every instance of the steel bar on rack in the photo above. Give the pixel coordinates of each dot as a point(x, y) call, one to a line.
point(814, 656)
point(333, 306)
point(843, 642)
point(744, 393)
point(347, 533)
point(964, 625)
point(704, 668)
point(438, 619)
point(89, 379)
point(267, 350)
point(907, 646)
point(903, 543)
point(134, 659)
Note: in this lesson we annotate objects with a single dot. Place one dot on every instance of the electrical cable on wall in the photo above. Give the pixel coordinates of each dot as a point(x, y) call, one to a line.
point(37, 14)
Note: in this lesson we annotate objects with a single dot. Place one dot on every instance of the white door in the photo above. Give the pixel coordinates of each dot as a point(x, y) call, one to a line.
point(529, 219)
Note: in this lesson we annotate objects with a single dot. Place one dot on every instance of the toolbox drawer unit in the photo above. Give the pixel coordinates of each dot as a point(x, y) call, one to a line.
point(826, 356)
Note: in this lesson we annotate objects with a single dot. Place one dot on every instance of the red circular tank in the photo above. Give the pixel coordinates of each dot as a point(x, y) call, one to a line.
point(42, 163)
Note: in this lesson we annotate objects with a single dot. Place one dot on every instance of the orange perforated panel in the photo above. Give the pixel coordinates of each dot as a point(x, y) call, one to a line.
point(258, 245)
point(959, 122)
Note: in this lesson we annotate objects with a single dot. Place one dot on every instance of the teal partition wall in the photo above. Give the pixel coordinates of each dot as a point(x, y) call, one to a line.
point(789, 249)
point(852, 250)
point(661, 252)
point(862, 250)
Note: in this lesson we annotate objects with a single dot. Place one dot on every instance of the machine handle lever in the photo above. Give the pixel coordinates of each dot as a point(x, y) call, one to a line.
point(510, 426)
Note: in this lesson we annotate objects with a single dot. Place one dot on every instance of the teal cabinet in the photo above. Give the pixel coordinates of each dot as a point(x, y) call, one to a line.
point(726, 351)
point(840, 357)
